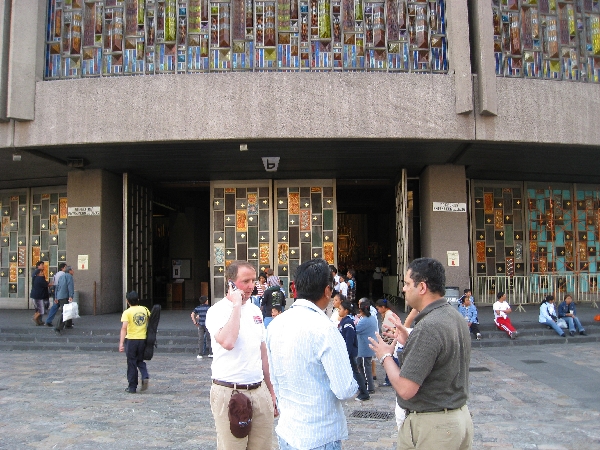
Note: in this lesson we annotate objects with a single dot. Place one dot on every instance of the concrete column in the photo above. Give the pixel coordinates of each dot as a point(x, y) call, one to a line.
point(459, 58)
point(24, 64)
point(445, 231)
point(99, 237)
point(483, 52)
point(4, 44)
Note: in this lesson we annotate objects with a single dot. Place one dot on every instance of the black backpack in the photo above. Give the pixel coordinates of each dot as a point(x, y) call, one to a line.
point(151, 333)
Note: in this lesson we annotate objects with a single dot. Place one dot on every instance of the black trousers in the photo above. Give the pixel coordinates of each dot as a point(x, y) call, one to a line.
point(360, 379)
point(59, 318)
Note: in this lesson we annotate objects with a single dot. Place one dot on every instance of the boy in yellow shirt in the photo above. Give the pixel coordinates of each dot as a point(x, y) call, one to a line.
point(135, 323)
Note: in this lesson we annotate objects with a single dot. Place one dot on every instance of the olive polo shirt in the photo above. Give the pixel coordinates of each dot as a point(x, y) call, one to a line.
point(436, 357)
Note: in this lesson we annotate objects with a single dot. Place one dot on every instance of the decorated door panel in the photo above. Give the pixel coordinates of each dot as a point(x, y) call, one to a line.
point(241, 227)
point(305, 225)
point(14, 263)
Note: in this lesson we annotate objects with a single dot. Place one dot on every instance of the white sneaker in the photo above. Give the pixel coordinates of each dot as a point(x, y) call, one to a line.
point(199, 357)
point(210, 355)
point(478, 336)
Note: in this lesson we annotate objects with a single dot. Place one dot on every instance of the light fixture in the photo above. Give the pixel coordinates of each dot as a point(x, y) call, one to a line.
point(16, 157)
point(243, 147)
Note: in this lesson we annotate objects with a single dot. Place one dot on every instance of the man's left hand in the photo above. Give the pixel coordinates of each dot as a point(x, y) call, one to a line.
point(275, 410)
point(380, 347)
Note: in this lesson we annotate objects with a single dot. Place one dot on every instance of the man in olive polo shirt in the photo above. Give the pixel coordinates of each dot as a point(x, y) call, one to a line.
point(433, 384)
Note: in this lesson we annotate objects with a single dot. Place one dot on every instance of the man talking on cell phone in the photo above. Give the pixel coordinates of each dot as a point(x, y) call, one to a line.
point(240, 365)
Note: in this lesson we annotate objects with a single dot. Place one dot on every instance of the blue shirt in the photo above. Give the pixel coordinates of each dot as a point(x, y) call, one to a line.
point(200, 311)
point(64, 287)
point(366, 328)
point(469, 313)
point(346, 327)
point(311, 375)
point(564, 309)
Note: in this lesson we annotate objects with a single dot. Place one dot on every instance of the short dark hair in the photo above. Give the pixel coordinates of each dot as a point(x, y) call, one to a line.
point(38, 263)
point(277, 308)
point(499, 295)
point(132, 298)
point(232, 269)
point(333, 269)
point(203, 299)
point(365, 307)
point(467, 290)
point(429, 271)
point(61, 266)
point(312, 277)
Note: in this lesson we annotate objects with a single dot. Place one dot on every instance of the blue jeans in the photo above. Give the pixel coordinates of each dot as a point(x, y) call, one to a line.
point(134, 350)
point(574, 322)
point(335, 445)
point(554, 326)
point(52, 313)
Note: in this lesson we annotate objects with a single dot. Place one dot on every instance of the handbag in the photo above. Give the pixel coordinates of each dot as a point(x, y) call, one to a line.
point(70, 311)
point(562, 323)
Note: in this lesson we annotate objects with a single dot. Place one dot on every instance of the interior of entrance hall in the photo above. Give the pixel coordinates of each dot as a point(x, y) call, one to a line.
point(366, 230)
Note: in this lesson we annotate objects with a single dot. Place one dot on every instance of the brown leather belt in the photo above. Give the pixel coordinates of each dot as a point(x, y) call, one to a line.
point(247, 387)
point(445, 410)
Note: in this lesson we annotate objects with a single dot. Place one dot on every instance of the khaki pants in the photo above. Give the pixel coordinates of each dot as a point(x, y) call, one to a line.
point(261, 434)
point(440, 430)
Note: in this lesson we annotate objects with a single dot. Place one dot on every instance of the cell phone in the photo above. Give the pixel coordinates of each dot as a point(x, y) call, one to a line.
point(232, 286)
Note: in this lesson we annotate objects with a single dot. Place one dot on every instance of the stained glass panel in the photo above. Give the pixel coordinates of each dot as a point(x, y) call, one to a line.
point(133, 37)
point(547, 39)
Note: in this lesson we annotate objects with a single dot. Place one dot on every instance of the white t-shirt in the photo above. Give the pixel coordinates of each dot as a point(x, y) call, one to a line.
point(343, 288)
point(243, 363)
point(336, 283)
point(500, 306)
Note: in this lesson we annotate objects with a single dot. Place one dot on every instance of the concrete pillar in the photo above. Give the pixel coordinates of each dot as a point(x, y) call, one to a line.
point(4, 44)
point(98, 237)
point(25, 57)
point(443, 231)
point(483, 56)
point(459, 58)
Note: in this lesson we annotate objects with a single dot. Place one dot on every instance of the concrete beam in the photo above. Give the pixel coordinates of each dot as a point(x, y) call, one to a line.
point(5, 6)
point(483, 56)
point(459, 58)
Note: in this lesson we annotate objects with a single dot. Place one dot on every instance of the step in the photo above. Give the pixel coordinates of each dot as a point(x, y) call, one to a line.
point(534, 340)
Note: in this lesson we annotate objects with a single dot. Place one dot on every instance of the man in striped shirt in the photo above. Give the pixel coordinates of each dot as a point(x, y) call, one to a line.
point(309, 366)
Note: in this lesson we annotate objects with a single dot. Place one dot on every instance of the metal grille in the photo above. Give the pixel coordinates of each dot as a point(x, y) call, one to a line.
point(479, 369)
point(371, 414)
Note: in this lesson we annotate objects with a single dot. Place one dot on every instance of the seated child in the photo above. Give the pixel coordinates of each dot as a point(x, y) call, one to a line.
point(469, 312)
point(501, 311)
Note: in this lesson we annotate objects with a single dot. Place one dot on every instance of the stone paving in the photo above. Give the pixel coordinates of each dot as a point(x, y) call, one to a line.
point(76, 400)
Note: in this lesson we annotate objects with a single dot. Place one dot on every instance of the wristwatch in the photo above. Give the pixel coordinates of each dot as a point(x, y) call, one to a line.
point(382, 359)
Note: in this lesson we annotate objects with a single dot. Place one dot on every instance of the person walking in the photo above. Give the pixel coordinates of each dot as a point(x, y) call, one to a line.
point(240, 364)
point(62, 268)
point(133, 342)
point(39, 293)
point(199, 319)
point(433, 384)
point(366, 327)
point(309, 365)
point(65, 289)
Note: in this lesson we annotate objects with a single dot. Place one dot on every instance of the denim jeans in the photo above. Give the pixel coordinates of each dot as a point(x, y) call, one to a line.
point(574, 322)
point(335, 445)
point(204, 344)
point(134, 350)
point(52, 313)
point(554, 326)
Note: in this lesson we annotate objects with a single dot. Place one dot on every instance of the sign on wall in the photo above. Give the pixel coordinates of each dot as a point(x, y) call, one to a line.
point(84, 211)
point(449, 207)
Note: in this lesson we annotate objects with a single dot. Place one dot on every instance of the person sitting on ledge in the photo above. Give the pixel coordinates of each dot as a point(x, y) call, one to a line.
point(548, 315)
point(566, 310)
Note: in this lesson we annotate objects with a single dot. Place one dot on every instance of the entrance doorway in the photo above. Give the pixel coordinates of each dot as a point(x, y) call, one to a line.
point(367, 231)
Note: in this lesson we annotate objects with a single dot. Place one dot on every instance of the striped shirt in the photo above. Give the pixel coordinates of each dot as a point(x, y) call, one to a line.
point(311, 375)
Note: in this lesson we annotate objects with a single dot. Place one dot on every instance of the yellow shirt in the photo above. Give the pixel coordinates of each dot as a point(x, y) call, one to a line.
point(137, 321)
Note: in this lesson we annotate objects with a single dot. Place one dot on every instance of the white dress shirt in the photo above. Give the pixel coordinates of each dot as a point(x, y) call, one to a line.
point(311, 373)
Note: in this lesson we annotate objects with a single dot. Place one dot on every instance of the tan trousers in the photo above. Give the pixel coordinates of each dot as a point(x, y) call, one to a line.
point(441, 430)
point(261, 434)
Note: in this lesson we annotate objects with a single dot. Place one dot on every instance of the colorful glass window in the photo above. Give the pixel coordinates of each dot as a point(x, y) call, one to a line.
point(91, 38)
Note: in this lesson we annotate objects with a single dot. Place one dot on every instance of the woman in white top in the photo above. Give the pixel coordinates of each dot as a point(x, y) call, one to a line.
point(337, 302)
point(548, 315)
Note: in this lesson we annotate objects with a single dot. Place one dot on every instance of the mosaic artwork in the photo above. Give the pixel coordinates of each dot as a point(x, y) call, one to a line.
point(36, 225)
point(499, 237)
point(133, 37)
point(549, 39)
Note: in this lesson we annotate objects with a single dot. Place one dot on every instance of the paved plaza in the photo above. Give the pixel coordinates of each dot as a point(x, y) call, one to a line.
point(538, 397)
